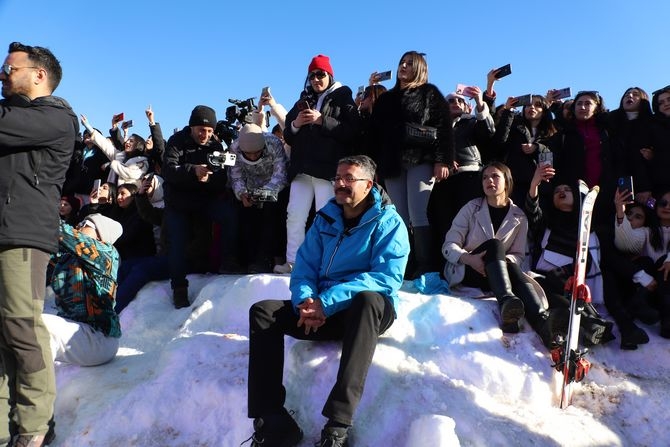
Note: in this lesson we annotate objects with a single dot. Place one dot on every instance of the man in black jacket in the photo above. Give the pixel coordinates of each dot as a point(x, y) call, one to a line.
point(37, 137)
point(195, 186)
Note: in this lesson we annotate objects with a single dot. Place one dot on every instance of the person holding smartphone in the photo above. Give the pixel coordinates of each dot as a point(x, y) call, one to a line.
point(410, 170)
point(321, 128)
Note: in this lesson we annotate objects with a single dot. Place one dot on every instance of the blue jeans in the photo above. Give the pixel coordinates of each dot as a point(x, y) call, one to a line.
point(179, 224)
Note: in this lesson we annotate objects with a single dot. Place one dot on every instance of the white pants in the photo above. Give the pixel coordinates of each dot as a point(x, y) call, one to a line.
point(304, 189)
point(79, 343)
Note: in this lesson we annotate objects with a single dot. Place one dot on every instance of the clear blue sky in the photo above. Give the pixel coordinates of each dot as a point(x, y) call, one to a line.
point(123, 56)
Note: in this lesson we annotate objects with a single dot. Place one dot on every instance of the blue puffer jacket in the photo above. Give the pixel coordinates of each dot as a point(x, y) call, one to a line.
point(334, 265)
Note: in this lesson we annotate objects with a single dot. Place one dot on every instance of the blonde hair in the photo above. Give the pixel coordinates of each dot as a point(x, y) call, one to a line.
point(419, 69)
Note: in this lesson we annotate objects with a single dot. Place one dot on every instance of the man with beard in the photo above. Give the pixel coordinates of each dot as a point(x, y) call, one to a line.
point(37, 137)
point(343, 287)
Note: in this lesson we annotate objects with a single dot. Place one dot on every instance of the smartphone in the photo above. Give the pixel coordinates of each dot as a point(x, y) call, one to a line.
point(562, 93)
point(503, 71)
point(303, 104)
point(96, 185)
point(626, 183)
point(545, 158)
point(384, 76)
point(127, 124)
point(460, 88)
point(265, 91)
point(523, 100)
point(118, 117)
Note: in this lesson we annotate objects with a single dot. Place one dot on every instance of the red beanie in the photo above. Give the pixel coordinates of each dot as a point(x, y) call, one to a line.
point(321, 62)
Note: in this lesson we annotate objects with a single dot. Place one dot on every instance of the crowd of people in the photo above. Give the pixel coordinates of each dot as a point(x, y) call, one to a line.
point(423, 182)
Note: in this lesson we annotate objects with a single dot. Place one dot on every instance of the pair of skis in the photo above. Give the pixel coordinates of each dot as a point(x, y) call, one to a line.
point(566, 355)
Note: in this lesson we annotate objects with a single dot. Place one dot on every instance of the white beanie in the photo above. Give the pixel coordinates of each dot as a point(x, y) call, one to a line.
point(251, 138)
point(108, 229)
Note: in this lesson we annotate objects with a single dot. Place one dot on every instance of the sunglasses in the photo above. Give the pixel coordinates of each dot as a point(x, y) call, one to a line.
point(662, 203)
point(455, 100)
point(8, 69)
point(319, 74)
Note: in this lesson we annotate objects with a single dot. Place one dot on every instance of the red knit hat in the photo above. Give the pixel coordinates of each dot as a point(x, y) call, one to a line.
point(321, 62)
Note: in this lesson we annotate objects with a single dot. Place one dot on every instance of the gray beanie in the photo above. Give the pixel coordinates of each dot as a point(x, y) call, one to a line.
point(108, 229)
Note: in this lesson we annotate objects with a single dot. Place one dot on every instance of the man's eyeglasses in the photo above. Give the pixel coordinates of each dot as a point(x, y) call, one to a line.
point(319, 74)
point(8, 69)
point(348, 180)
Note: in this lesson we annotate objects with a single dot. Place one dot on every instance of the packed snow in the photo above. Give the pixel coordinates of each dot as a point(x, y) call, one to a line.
point(443, 375)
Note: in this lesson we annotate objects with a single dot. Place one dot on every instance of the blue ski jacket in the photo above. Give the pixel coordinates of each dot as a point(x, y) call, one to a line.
point(334, 264)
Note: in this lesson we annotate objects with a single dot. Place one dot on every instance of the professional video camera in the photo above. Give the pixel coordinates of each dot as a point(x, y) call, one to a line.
point(237, 114)
point(217, 160)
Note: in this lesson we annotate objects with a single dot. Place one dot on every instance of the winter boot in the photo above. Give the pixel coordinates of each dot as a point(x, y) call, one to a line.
point(631, 335)
point(180, 297)
point(595, 331)
point(423, 249)
point(276, 430)
point(554, 326)
point(511, 307)
point(639, 307)
point(334, 437)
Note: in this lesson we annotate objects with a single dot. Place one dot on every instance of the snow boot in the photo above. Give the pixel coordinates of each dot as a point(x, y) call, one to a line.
point(632, 335)
point(276, 430)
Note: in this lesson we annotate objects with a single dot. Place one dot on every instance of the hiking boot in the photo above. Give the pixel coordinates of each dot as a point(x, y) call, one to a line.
point(555, 326)
point(511, 311)
point(631, 336)
point(180, 297)
point(14, 430)
point(283, 269)
point(276, 430)
point(334, 437)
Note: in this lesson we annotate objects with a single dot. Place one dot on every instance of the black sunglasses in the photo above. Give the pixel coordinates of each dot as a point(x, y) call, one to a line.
point(319, 74)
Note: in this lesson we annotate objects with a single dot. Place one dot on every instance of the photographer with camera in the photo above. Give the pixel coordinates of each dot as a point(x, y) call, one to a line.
point(257, 177)
point(195, 186)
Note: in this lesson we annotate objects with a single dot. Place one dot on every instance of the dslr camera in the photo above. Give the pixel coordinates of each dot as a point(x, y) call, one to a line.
point(217, 160)
point(263, 195)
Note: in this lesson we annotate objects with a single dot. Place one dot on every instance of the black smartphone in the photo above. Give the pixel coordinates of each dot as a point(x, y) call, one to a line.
point(626, 183)
point(523, 100)
point(503, 71)
point(303, 105)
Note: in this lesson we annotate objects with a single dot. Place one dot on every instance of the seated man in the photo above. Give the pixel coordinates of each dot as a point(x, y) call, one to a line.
point(343, 287)
point(86, 330)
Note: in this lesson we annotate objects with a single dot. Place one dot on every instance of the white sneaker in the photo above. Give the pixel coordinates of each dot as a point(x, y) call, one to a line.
point(283, 268)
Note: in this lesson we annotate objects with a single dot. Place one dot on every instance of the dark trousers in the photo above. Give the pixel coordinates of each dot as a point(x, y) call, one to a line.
point(359, 327)
point(135, 273)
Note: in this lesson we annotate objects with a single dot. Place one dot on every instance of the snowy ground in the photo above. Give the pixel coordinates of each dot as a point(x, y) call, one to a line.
point(443, 374)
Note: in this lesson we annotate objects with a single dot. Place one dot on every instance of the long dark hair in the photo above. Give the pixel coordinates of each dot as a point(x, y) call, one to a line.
point(655, 230)
point(545, 128)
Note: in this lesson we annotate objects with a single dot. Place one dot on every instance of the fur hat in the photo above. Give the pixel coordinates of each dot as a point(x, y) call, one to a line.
point(108, 229)
point(203, 116)
point(321, 62)
point(251, 138)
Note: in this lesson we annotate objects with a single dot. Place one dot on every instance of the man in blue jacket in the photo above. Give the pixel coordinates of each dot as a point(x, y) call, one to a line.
point(343, 287)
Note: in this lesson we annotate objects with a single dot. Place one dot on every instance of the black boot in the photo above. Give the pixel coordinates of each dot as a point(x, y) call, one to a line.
point(631, 335)
point(423, 251)
point(511, 307)
point(180, 297)
point(595, 331)
point(639, 307)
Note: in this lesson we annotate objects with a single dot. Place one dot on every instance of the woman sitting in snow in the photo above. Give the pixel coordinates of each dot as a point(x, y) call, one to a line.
point(86, 330)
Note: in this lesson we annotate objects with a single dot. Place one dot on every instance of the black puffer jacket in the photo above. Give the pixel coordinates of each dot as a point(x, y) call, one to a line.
point(183, 190)
point(36, 143)
point(395, 108)
point(315, 149)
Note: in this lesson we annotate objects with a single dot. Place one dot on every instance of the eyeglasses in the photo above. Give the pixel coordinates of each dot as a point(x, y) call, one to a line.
point(319, 74)
point(8, 69)
point(662, 203)
point(348, 180)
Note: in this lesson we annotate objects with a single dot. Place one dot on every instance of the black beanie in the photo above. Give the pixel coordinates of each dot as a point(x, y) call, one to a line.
point(203, 116)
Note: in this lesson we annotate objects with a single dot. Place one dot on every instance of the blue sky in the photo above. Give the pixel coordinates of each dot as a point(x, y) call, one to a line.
point(121, 57)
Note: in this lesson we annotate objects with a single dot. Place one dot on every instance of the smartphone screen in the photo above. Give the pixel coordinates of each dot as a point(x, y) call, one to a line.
point(563, 93)
point(96, 184)
point(523, 100)
point(626, 183)
point(503, 71)
point(384, 76)
point(545, 158)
